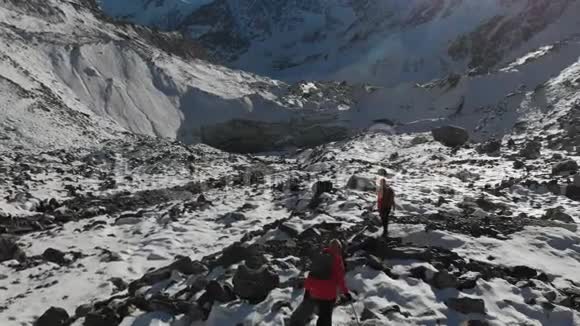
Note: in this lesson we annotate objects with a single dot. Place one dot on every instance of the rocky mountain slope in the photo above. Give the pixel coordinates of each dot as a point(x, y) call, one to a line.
point(377, 41)
point(67, 70)
point(148, 232)
point(113, 214)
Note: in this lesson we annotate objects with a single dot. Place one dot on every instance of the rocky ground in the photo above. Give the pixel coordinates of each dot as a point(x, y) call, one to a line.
point(149, 232)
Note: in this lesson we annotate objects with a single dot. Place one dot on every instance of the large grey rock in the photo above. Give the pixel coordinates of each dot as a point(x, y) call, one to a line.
point(558, 214)
point(444, 280)
point(320, 187)
point(183, 265)
point(55, 256)
point(573, 192)
point(532, 150)
point(567, 166)
point(10, 250)
point(466, 305)
point(451, 136)
point(357, 182)
point(254, 284)
point(53, 317)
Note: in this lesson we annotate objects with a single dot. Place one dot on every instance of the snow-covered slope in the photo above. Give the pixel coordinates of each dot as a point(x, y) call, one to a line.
point(99, 226)
point(73, 61)
point(383, 42)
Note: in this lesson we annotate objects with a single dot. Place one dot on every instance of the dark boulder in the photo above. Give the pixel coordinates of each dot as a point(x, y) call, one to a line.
point(451, 136)
point(361, 183)
point(236, 253)
point(53, 317)
point(320, 187)
point(214, 292)
point(522, 272)
point(466, 305)
point(9, 249)
point(183, 265)
point(519, 165)
point(568, 166)
point(103, 317)
point(83, 310)
point(254, 285)
point(573, 192)
point(490, 146)
point(55, 256)
point(444, 280)
point(231, 218)
point(558, 214)
point(532, 150)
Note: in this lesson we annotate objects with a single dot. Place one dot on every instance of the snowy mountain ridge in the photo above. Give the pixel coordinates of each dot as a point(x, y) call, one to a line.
point(382, 42)
point(130, 77)
point(113, 214)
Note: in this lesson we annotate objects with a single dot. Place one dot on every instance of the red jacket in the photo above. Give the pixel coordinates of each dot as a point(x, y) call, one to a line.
point(385, 198)
point(327, 289)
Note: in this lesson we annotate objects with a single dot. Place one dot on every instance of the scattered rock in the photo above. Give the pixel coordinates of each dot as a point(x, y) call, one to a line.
point(558, 214)
point(83, 310)
point(214, 291)
point(523, 272)
point(321, 187)
point(55, 256)
point(53, 317)
point(466, 305)
point(128, 220)
point(103, 317)
point(183, 265)
point(418, 140)
point(568, 166)
point(444, 280)
point(573, 192)
point(451, 136)
point(519, 165)
point(254, 285)
point(490, 146)
point(231, 218)
point(119, 283)
point(236, 253)
point(9, 249)
point(109, 256)
point(361, 183)
point(532, 150)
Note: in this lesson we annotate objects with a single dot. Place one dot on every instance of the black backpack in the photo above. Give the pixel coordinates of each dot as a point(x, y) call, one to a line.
point(321, 266)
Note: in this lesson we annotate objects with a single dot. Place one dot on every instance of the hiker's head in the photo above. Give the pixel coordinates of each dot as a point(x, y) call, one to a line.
point(335, 246)
point(383, 182)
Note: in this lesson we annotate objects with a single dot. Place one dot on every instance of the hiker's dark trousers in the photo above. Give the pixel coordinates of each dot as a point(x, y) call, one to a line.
point(385, 213)
point(302, 315)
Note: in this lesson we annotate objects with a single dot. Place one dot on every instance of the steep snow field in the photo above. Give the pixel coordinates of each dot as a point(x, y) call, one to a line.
point(84, 68)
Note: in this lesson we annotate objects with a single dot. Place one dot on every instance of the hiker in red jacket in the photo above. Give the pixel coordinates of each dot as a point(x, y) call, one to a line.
point(385, 203)
point(322, 293)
